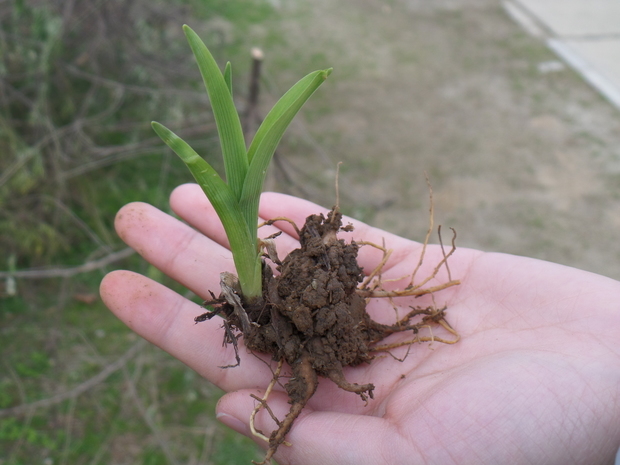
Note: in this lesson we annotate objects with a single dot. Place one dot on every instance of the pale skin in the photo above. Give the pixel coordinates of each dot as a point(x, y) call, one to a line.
point(535, 378)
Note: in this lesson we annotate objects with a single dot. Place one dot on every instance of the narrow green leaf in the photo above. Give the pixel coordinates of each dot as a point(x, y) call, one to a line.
point(267, 138)
point(226, 117)
point(228, 76)
point(242, 244)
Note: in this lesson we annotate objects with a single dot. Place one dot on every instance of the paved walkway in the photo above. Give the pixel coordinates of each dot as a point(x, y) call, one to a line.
point(584, 33)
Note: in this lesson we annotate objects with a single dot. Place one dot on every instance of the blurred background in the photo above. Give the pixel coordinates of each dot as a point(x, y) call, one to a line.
point(523, 156)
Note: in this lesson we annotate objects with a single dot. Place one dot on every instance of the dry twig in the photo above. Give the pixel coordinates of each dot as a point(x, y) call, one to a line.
point(69, 272)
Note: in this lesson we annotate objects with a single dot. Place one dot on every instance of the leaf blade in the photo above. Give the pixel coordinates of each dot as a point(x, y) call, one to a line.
point(268, 137)
point(228, 77)
point(226, 116)
point(242, 244)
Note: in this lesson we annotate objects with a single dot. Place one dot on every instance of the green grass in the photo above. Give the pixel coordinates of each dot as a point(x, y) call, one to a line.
point(163, 407)
point(153, 409)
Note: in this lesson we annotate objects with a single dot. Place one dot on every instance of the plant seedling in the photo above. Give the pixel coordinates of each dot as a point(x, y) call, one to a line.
point(236, 199)
point(312, 316)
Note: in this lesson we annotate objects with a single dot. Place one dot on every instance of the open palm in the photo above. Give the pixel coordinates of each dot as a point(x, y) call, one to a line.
point(535, 378)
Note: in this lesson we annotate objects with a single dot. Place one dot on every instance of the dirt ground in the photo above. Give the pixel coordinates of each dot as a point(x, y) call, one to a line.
point(522, 160)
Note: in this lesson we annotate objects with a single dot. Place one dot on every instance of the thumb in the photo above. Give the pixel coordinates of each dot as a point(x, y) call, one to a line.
point(316, 436)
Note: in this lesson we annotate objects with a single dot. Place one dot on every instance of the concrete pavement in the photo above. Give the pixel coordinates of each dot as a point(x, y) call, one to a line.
point(583, 33)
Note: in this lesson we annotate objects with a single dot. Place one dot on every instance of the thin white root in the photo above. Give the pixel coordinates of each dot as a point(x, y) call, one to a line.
point(262, 402)
point(376, 273)
point(372, 287)
point(432, 338)
point(281, 218)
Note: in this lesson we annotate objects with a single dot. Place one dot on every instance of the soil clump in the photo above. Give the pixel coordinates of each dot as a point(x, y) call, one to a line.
point(313, 317)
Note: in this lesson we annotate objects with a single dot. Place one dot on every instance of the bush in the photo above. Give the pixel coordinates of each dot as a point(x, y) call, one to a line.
point(79, 84)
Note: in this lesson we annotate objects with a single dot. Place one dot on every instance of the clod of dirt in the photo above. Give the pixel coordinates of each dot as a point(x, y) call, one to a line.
point(311, 317)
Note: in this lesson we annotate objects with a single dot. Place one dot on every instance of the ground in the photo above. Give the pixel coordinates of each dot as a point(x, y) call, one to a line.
point(522, 160)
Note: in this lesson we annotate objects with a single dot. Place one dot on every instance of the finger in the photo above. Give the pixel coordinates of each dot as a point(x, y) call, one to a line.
point(275, 205)
point(166, 319)
point(316, 436)
point(170, 245)
point(408, 259)
point(191, 204)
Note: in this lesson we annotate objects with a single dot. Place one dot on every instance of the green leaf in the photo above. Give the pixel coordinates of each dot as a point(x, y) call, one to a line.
point(236, 200)
point(226, 117)
point(221, 196)
point(267, 139)
point(228, 76)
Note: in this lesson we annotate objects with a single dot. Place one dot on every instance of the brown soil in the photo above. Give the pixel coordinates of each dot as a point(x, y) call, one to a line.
point(522, 161)
point(313, 317)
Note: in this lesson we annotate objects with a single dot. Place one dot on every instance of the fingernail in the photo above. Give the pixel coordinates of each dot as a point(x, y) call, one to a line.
point(232, 422)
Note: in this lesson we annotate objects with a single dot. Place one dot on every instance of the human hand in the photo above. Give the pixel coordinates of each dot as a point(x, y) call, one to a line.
point(535, 377)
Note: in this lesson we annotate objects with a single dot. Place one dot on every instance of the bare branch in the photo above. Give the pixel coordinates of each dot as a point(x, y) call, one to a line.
point(69, 272)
